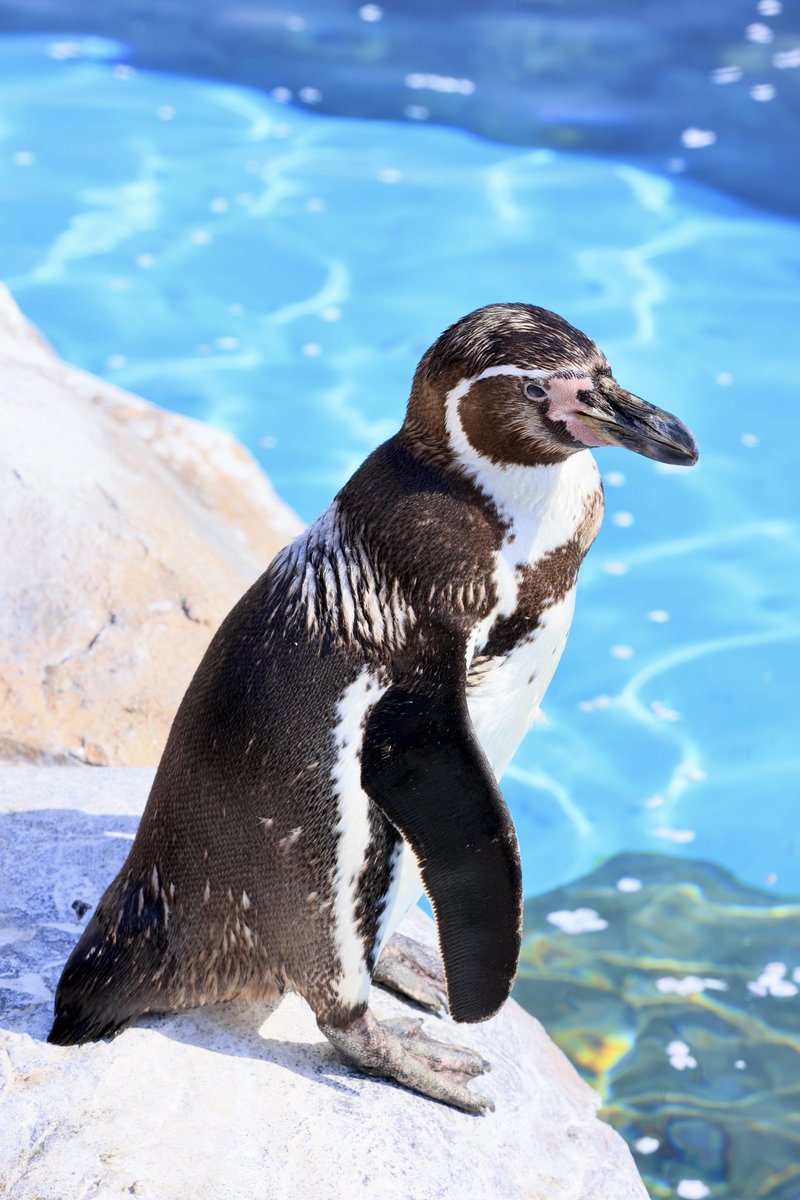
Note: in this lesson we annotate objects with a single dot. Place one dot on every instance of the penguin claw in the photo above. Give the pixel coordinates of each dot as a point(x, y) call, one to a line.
point(444, 1056)
point(398, 1049)
point(414, 971)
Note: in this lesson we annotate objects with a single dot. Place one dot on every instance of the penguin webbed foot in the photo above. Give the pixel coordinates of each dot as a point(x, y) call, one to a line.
point(411, 969)
point(398, 1049)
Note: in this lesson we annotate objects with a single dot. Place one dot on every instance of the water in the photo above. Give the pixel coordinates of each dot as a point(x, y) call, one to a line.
point(279, 273)
point(679, 1005)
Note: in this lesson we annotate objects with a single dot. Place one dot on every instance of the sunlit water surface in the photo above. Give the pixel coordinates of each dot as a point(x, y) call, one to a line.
point(278, 274)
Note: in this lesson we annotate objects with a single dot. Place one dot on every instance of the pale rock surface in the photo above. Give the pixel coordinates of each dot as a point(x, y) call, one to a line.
point(127, 534)
point(235, 1102)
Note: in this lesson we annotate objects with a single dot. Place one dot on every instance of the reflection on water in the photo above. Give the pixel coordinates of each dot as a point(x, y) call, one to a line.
point(674, 988)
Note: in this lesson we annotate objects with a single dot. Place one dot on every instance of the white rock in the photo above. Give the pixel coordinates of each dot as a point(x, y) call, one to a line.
point(579, 920)
point(772, 982)
point(647, 1145)
point(127, 535)
point(232, 1101)
point(680, 1057)
point(689, 985)
point(693, 1189)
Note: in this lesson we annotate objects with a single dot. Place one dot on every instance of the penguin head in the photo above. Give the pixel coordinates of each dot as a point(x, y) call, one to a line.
point(519, 385)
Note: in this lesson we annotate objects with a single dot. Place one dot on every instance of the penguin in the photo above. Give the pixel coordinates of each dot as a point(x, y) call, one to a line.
point(339, 748)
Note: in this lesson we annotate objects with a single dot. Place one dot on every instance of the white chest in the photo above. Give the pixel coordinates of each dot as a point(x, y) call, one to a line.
point(504, 699)
point(544, 506)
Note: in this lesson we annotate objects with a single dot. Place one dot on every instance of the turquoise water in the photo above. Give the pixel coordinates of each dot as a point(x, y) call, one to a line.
point(279, 273)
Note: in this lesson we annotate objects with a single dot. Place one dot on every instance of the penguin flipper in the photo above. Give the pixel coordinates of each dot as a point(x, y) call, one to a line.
point(422, 765)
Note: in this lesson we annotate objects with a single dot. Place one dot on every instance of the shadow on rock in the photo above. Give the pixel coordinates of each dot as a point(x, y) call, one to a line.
point(54, 866)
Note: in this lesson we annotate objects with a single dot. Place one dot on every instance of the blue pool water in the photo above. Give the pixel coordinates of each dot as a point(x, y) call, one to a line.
point(279, 273)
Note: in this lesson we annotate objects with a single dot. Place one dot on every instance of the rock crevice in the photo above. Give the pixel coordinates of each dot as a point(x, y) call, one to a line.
point(128, 533)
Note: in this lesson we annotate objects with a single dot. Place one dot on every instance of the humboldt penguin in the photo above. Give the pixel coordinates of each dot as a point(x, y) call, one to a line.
point(338, 750)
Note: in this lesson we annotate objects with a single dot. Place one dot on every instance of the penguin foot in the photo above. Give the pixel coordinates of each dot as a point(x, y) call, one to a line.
point(408, 967)
point(398, 1049)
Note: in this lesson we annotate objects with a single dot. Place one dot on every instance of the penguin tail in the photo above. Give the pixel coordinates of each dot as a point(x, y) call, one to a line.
point(115, 972)
point(76, 1023)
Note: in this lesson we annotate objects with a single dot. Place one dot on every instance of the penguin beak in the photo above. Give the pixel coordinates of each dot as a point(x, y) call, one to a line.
point(622, 419)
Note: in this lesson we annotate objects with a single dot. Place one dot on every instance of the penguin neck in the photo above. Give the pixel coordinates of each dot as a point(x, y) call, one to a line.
point(547, 492)
point(433, 432)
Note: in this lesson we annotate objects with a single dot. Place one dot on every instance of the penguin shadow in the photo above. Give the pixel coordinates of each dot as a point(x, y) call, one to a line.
point(54, 866)
point(240, 1029)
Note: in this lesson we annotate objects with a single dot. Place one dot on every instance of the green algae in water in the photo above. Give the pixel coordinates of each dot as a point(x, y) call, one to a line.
point(680, 1002)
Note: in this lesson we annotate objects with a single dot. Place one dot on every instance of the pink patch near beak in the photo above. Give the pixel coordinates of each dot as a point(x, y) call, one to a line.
point(563, 405)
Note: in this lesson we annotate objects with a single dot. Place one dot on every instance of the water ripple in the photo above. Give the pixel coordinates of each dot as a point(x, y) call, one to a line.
point(280, 273)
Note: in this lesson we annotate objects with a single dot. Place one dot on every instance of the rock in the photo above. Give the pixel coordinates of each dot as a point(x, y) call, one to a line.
point(128, 533)
point(238, 1100)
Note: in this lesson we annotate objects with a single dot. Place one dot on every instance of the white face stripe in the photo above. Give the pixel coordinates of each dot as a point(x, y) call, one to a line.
point(544, 505)
point(526, 373)
point(495, 478)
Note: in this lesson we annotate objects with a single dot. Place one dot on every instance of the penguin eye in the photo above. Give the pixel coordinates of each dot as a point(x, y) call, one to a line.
point(534, 392)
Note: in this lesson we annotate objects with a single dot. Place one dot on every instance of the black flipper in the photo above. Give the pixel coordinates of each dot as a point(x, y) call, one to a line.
point(422, 766)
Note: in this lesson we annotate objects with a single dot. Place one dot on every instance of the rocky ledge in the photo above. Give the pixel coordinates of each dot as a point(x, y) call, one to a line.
point(238, 1100)
point(127, 535)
